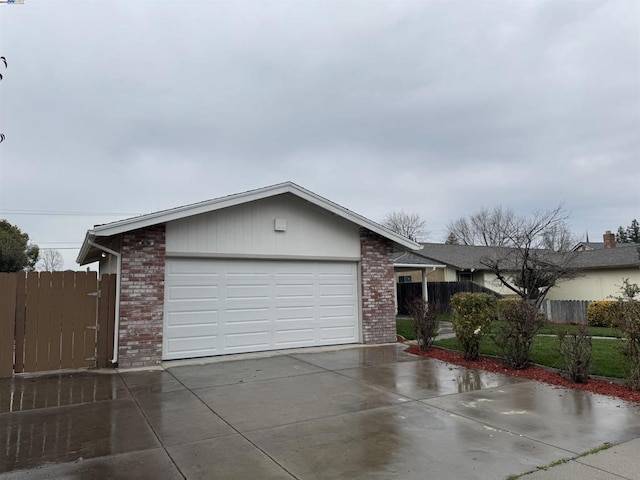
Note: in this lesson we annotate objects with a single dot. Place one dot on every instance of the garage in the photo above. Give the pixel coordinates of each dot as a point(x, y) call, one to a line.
point(222, 306)
point(273, 268)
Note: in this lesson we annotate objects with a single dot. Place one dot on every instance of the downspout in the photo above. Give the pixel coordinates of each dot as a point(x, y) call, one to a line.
point(116, 327)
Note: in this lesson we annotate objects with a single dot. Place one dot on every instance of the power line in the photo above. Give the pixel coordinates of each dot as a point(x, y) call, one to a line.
point(59, 212)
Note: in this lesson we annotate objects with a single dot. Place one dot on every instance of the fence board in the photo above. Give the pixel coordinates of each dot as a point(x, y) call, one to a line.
point(106, 319)
point(44, 300)
point(56, 320)
point(21, 281)
point(566, 311)
point(31, 324)
point(8, 285)
point(68, 313)
point(89, 312)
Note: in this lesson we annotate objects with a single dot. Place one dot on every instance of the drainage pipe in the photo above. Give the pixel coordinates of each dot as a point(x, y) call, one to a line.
point(116, 327)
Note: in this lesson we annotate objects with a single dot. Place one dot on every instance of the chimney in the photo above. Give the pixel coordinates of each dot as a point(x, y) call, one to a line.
point(609, 239)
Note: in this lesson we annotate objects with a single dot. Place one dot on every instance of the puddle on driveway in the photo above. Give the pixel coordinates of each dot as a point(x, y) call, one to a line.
point(30, 393)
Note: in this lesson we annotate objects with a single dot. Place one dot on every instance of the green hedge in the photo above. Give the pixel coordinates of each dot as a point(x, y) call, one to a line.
point(601, 313)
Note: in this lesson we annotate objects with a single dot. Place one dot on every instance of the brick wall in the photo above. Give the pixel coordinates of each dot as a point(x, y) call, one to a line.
point(378, 288)
point(142, 297)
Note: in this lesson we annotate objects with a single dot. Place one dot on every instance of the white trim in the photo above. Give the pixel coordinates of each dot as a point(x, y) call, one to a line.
point(177, 213)
point(416, 265)
point(258, 256)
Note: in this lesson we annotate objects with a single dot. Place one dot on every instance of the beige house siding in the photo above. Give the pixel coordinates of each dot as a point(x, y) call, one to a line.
point(594, 285)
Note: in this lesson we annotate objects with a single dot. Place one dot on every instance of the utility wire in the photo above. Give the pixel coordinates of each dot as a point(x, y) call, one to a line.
point(58, 212)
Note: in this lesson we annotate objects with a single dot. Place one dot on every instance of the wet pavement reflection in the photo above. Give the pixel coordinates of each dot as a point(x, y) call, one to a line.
point(33, 392)
point(373, 412)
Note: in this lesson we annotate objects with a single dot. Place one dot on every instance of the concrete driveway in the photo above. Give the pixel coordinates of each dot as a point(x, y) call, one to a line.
point(357, 412)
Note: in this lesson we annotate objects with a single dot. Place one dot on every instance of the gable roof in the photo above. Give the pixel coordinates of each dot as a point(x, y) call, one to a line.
point(460, 257)
point(469, 257)
point(164, 216)
point(413, 259)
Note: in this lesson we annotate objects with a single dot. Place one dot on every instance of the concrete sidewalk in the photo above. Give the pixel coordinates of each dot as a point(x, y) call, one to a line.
point(617, 462)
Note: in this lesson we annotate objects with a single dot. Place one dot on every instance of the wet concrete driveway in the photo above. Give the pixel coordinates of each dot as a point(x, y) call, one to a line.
point(361, 412)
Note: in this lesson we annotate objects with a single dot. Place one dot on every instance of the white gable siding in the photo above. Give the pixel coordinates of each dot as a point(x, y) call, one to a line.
point(249, 230)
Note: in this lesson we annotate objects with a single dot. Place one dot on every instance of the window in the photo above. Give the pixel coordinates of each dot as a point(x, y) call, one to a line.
point(404, 279)
point(465, 276)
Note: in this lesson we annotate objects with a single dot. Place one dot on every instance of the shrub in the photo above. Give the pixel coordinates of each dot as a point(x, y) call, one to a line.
point(424, 321)
point(601, 313)
point(576, 353)
point(472, 317)
point(519, 324)
point(627, 320)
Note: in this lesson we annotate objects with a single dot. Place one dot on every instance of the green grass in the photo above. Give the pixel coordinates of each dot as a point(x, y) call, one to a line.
point(403, 326)
point(607, 359)
point(554, 329)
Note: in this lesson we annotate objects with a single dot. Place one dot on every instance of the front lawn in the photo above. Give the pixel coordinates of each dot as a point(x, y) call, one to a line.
point(607, 359)
point(404, 328)
point(555, 328)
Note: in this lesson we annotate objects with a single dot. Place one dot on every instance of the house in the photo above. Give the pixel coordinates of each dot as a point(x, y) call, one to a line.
point(602, 273)
point(454, 263)
point(273, 268)
point(609, 241)
point(602, 269)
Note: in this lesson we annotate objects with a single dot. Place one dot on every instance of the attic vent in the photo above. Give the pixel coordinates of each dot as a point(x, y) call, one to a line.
point(280, 224)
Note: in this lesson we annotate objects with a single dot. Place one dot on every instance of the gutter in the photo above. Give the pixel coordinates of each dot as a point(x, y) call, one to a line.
point(116, 327)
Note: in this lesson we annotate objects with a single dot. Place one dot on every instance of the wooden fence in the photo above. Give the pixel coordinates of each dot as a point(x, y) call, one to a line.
point(566, 311)
point(439, 294)
point(53, 321)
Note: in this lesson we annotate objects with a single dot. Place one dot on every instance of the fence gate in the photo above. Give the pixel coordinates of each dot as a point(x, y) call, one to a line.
point(54, 321)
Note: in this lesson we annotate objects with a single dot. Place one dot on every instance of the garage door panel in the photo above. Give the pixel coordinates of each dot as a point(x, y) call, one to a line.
point(192, 292)
point(296, 312)
point(334, 334)
point(195, 346)
point(258, 304)
point(247, 341)
point(194, 317)
point(296, 337)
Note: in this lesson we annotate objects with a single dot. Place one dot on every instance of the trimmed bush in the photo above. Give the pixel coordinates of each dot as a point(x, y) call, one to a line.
point(576, 351)
point(473, 314)
point(424, 321)
point(601, 313)
point(519, 324)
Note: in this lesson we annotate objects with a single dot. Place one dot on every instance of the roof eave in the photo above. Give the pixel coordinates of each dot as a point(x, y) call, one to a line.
point(178, 213)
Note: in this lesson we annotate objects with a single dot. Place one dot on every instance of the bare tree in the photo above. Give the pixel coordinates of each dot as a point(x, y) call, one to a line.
point(485, 227)
point(535, 255)
point(409, 225)
point(50, 260)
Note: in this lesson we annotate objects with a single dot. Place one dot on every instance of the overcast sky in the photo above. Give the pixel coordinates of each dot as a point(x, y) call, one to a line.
point(433, 107)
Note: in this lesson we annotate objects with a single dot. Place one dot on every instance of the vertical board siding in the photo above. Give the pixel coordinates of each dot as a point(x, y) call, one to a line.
point(8, 284)
point(44, 320)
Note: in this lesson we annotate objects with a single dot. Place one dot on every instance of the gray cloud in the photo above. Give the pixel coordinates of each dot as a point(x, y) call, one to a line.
point(432, 107)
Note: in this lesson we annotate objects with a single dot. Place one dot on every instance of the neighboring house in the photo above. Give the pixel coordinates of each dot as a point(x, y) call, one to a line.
point(602, 269)
point(278, 267)
point(609, 241)
point(456, 263)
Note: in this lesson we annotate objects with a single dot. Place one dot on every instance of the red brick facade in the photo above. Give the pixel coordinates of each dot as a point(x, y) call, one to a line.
point(378, 288)
point(142, 297)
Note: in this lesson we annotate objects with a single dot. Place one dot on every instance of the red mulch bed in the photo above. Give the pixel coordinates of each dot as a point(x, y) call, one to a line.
point(540, 374)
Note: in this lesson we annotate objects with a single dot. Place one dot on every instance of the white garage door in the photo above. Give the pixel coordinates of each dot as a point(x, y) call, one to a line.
point(215, 307)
